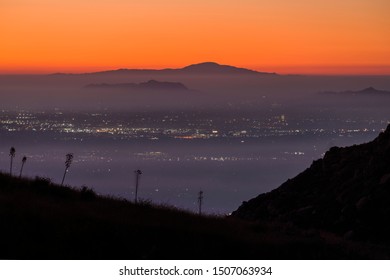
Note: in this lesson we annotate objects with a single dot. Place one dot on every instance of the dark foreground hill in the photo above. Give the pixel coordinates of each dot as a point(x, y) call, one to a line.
point(346, 193)
point(40, 220)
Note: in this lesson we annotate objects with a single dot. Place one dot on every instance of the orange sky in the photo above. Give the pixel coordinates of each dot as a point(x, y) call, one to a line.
point(297, 36)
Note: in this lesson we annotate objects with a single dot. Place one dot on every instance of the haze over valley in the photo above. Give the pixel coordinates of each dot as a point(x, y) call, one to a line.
point(231, 132)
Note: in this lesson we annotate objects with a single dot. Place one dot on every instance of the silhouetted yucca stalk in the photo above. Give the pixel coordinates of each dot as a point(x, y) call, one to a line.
point(12, 153)
point(24, 159)
point(68, 162)
point(138, 173)
point(200, 201)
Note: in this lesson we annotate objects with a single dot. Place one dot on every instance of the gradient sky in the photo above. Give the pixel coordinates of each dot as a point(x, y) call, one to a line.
point(297, 36)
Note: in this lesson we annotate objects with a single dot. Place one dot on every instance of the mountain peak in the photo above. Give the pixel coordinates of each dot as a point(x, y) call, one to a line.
point(370, 90)
point(204, 65)
point(215, 68)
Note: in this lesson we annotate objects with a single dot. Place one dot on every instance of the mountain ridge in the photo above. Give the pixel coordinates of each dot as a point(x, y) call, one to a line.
point(346, 192)
point(366, 91)
point(198, 69)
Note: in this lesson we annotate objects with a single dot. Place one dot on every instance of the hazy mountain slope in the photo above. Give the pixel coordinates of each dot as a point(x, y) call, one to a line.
point(370, 91)
point(149, 85)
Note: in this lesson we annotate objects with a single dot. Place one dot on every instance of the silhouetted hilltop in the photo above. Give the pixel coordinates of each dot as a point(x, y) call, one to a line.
point(215, 68)
point(347, 192)
point(206, 68)
point(366, 91)
point(149, 85)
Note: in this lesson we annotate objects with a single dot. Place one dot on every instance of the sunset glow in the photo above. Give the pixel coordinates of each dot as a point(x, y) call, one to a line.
point(301, 36)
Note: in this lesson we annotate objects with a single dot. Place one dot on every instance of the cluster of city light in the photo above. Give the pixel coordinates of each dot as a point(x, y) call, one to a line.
point(204, 128)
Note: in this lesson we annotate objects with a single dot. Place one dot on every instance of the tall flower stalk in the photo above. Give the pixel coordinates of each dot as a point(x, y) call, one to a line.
point(68, 162)
point(24, 159)
point(12, 153)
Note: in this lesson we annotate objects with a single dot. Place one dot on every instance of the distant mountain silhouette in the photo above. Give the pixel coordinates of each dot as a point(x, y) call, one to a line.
point(347, 192)
point(150, 85)
point(200, 68)
point(366, 91)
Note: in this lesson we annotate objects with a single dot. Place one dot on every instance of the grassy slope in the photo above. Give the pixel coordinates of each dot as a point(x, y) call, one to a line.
point(40, 220)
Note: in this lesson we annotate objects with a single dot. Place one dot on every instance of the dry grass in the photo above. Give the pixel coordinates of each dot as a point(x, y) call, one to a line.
point(41, 220)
